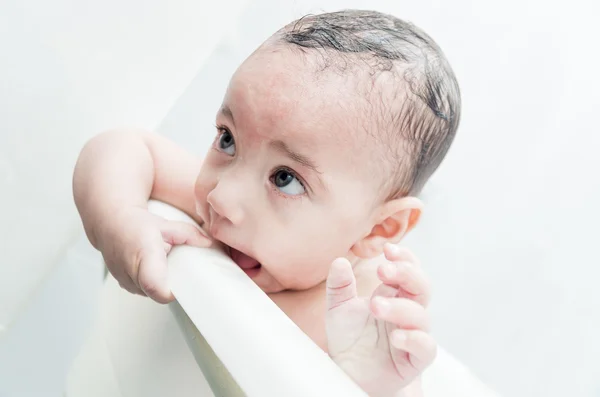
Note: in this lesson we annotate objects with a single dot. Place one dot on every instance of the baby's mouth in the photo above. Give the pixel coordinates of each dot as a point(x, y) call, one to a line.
point(249, 265)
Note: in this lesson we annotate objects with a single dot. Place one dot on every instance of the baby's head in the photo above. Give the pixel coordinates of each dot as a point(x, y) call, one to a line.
point(326, 134)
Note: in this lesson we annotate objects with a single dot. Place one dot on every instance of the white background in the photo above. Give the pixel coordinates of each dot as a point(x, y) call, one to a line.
point(509, 237)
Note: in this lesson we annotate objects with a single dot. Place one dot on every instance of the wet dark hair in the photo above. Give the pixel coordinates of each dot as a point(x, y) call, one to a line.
point(425, 122)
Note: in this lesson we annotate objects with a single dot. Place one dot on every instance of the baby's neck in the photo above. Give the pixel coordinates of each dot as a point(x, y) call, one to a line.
point(307, 308)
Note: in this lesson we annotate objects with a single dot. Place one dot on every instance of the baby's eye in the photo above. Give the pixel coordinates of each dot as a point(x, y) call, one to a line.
point(225, 141)
point(287, 182)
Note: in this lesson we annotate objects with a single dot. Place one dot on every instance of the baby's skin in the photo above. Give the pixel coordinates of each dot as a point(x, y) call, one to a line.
point(297, 186)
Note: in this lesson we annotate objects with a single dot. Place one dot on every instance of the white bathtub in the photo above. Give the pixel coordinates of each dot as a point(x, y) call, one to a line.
point(137, 350)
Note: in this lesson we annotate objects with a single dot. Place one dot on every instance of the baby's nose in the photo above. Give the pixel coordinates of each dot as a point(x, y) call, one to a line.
point(226, 204)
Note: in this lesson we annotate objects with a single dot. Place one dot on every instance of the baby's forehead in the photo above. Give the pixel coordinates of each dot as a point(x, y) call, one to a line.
point(277, 87)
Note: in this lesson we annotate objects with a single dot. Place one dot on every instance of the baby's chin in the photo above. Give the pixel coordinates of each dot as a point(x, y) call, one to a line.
point(267, 283)
point(271, 285)
point(264, 280)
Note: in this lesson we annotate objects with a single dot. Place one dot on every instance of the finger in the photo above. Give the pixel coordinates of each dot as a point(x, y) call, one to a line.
point(341, 283)
point(406, 277)
point(153, 274)
point(130, 286)
point(386, 291)
point(395, 253)
point(119, 274)
point(125, 282)
point(402, 312)
point(419, 346)
point(179, 233)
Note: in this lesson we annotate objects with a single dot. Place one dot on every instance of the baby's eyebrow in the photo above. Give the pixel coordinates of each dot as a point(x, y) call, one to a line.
point(282, 147)
point(226, 111)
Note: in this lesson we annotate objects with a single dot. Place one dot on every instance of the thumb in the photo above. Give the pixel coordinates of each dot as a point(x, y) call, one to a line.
point(341, 283)
point(179, 233)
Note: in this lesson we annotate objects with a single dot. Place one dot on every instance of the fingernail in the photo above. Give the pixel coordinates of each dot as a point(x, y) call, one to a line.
point(388, 270)
point(339, 264)
point(398, 339)
point(382, 304)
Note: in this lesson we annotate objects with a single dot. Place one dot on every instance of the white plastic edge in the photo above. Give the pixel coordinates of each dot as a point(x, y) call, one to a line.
point(263, 350)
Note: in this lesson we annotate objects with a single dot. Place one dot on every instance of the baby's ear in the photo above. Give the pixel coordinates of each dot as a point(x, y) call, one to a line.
point(393, 220)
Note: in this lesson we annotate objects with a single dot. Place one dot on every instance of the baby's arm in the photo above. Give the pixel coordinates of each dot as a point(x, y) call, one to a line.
point(115, 175)
point(121, 169)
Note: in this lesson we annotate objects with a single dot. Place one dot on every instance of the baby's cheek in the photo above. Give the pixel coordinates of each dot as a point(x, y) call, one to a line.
point(316, 262)
point(300, 268)
point(302, 254)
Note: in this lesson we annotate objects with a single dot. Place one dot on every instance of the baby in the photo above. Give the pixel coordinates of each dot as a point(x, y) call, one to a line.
point(326, 135)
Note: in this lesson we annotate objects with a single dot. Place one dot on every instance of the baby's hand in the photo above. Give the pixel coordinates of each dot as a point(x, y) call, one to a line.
point(135, 244)
point(381, 343)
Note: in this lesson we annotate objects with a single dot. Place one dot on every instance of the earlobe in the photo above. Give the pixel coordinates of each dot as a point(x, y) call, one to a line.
point(393, 220)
